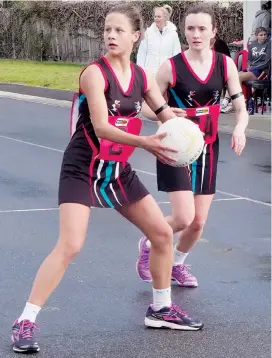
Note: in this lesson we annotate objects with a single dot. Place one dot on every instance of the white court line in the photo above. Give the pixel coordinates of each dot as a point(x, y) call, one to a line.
point(27, 210)
point(140, 171)
point(229, 199)
point(219, 191)
point(54, 209)
point(33, 144)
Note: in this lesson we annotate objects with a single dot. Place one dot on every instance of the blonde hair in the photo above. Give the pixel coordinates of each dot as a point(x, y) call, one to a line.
point(167, 11)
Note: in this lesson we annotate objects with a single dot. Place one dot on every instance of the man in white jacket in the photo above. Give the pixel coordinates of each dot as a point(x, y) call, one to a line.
point(160, 41)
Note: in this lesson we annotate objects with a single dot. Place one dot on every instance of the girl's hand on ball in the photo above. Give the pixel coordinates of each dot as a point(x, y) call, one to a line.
point(179, 112)
point(154, 145)
point(238, 140)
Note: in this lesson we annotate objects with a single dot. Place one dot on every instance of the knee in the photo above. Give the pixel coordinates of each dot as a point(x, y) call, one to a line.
point(68, 250)
point(198, 223)
point(182, 221)
point(162, 239)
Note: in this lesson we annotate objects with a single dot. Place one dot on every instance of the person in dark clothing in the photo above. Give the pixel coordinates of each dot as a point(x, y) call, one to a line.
point(259, 58)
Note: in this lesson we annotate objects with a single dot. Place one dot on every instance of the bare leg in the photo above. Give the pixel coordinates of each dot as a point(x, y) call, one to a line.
point(189, 214)
point(73, 227)
point(246, 76)
point(147, 216)
point(183, 210)
point(191, 234)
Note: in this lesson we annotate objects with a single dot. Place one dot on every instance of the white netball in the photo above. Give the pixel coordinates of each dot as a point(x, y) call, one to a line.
point(184, 136)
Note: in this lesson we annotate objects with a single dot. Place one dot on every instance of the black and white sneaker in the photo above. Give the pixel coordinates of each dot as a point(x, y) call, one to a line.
point(22, 337)
point(171, 317)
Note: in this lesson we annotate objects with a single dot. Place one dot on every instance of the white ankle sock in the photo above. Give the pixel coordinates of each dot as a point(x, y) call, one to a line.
point(179, 257)
point(29, 313)
point(148, 244)
point(161, 298)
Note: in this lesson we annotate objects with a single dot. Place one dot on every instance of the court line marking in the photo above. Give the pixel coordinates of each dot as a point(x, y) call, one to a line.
point(138, 170)
point(54, 209)
point(228, 199)
point(219, 191)
point(33, 144)
point(27, 210)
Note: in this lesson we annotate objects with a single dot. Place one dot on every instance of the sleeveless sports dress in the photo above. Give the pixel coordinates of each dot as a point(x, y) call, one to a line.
point(95, 172)
point(201, 100)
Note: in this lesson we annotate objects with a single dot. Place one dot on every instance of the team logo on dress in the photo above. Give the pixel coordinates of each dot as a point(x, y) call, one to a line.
point(115, 106)
point(202, 111)
point(216, 96)
point(121, 122)
point(138, 107)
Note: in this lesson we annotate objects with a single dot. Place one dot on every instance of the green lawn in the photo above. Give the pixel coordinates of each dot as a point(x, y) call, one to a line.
point(45, 74)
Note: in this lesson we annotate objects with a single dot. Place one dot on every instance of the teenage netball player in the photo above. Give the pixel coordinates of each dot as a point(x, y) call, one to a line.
point(194, 80)
point(95, 172)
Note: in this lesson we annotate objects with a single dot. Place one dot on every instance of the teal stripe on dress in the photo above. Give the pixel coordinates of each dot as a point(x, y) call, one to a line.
point(177, 99)
point(81, 99)
point(194, 165)
point(106, 183)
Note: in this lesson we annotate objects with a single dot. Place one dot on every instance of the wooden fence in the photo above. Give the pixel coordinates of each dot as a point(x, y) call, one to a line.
point(38, 37)
point(36, 40)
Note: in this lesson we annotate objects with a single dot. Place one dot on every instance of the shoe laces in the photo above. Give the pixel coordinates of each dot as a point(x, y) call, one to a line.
point(184, 269)
point(145, 254)
point(27, 328)
point(176, 308)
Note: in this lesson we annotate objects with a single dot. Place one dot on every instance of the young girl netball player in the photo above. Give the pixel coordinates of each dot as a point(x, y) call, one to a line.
point(95, 172)
point(193, 80)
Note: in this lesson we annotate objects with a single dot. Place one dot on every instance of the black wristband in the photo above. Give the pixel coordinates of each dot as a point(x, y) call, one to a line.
point(159, 110)
point(237, 95)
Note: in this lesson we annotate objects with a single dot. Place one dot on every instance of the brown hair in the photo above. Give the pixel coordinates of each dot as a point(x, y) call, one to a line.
point(203, 9)
point(133, 15)
point(260, 29)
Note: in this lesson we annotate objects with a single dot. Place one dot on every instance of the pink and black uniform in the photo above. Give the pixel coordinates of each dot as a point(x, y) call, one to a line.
point(95, 172)
point(201, 100)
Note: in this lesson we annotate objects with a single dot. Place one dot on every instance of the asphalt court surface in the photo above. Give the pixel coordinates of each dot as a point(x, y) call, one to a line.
point(99, 307)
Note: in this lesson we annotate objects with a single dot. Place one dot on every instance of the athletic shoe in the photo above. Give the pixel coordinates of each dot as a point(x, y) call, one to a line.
point(227, 109)
point(22, 337)
point(142, 265)
point(225, 102)
point(171, 317)
point(183, 277)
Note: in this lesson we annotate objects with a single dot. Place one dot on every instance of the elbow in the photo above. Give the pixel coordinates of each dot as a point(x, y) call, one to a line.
point(241, 111)
point(101, 131)
point(242, 115)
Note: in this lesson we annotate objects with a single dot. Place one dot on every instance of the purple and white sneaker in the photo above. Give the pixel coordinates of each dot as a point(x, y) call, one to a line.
point(22, 337)
point(142, 264)
point(171, 317)
point(183, 277)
